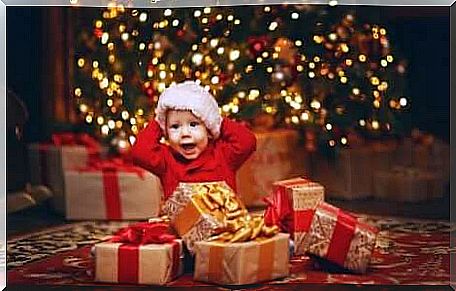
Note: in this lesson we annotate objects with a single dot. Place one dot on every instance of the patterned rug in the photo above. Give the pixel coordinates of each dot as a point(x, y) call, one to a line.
point(407, 252)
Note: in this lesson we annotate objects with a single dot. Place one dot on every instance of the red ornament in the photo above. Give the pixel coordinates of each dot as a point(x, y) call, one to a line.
point(180, 33)
point(258, 43)
point(98, 32)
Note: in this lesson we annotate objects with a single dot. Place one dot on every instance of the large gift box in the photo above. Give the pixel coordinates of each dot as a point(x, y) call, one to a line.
point(199, 210)
point(48, 161)
point(279, 155)
point(338, 237)
point(350, 174)
point(408, 184)
point(111, 189)
point(242, 262)
point(290, 205)
point(139, 257)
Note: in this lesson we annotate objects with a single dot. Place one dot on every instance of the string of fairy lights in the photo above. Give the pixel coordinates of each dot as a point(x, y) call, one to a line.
point(225, 67)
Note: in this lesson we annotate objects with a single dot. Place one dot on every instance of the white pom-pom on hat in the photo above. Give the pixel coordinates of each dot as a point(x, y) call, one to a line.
point(189, 95)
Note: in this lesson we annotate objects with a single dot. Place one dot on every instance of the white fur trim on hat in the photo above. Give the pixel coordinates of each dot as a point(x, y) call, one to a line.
point(190, 96)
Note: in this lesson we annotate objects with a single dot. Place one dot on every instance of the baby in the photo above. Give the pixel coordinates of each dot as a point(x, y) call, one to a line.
point(201, 146)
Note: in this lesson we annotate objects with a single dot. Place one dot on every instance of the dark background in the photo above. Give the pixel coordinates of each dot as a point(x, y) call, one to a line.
point(418, 34)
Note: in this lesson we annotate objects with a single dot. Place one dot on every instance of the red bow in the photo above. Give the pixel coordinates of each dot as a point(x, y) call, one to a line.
point(279, 211)
point(70, 138)
point(145, 233)
point(113, 165)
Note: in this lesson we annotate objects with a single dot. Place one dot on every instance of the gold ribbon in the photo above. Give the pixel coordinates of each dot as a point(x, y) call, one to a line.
point(213, 199)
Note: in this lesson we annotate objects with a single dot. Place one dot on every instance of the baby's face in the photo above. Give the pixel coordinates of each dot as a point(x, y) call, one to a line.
point(187, 134)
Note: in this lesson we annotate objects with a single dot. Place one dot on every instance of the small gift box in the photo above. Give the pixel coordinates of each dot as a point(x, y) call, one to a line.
point(111, 189)
point(291, 204)
point(50, 160)
point(278, 156)
point(338, 237)
point(408, 184)
point(141, 254)
point(240, 263)
point(199, 210)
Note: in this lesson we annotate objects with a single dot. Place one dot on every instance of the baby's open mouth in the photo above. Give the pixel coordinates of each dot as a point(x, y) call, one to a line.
point(188, 146)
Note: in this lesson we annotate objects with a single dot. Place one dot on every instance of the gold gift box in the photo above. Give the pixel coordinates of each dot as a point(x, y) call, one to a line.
point(199, 210)
point(241, 263)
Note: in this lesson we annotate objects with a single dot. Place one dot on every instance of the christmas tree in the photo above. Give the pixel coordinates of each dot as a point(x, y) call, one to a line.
point(315, 68)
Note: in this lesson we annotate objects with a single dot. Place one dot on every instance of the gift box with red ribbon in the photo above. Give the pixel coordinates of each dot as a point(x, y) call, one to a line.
point(144, 253)
point(338, 237)
point(111, 189)
point(48, 161)
point(290, 205)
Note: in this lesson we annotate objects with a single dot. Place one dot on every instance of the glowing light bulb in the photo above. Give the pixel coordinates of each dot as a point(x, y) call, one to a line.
point(403, 101)
point(143, 17)
point(273, 26)
point(167, 12)
point(234, 55)
point(294, 15)
point(81, 62)
point(328, 126)
point(197, 13)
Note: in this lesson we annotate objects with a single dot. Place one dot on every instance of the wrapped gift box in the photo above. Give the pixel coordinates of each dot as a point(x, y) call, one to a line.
point(339, 238)
point(350, 175)
point(138, 263)
point(290, 205)
point(408, 184)
point(48, 161)
point(199, 210)
point(111, 189)
point(244, 262)
point(278, 156)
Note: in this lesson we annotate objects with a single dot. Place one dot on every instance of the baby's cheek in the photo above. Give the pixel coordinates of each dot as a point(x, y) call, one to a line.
point(198, 133)
point(173, 134)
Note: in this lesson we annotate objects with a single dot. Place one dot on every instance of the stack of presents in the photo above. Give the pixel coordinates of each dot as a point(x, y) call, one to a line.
point(209, 223)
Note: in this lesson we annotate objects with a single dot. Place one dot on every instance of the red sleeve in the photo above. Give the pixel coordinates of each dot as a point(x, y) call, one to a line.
point(148, 152)
point(238, 142)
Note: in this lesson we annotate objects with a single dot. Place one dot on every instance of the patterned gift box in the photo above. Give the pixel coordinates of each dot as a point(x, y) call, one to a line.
point(138, 263)
point(278, 156)
point(192, 215)
point(112, 190)
point(244, 262)
point(338, 237)
point(408, 184)
point(292, 202)
point(48, 161)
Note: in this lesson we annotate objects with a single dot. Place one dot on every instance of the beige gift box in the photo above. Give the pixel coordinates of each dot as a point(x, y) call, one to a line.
point(93, 194)
point(242, 263)
point(350, 176)
point(408, 184)
point(48, 163)
point(153, 263)
point(303, 196)
point(278, 156)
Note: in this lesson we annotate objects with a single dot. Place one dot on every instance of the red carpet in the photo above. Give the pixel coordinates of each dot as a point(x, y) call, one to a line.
point(407, 252)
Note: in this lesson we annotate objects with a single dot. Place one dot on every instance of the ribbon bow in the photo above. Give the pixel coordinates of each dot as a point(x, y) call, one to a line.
point(144, 233)
point(70, 138)
point(279, 211)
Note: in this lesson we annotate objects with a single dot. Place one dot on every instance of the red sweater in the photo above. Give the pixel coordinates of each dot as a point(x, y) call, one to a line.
point(219, 161)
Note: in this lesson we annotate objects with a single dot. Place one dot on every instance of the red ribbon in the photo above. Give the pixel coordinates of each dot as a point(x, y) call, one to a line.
point(140, 234)
point(81, 139)
point(111, 188)
point(280, 209)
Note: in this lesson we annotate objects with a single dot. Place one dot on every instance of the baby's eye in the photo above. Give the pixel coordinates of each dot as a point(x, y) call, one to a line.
point(194, 123)
point(174, 126)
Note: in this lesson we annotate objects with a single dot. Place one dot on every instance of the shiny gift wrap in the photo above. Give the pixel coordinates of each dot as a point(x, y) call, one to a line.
point(241, 263)
point(340, 238)
point(199, 210)
point(292, 205)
